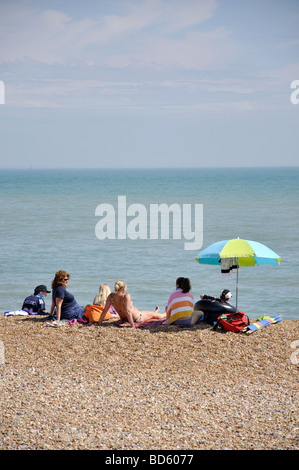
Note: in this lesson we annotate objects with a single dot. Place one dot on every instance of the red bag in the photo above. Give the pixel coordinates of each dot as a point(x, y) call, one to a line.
point(235, 322)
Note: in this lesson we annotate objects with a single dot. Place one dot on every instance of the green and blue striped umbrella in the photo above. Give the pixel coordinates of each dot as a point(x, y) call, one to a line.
point(243, 252)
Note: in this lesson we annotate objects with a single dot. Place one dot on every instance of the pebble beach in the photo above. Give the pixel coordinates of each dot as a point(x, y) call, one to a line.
point(82, 387)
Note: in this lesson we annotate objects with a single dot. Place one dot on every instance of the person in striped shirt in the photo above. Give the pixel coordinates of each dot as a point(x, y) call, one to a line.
point(179, 309)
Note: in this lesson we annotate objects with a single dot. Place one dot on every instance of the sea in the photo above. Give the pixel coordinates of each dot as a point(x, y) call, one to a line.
point(98, 225)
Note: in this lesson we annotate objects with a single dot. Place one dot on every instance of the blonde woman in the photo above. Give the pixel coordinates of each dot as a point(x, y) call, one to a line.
point(123, 305)
point(102, 295)
point(93, 312)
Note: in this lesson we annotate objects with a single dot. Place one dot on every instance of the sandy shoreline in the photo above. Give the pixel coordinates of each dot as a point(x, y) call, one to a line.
point(82, 387)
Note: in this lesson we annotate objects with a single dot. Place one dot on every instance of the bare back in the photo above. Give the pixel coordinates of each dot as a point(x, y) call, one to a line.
point(123, 305)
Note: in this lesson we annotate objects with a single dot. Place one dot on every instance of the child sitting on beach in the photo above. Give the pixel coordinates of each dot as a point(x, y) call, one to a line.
point(35, 304)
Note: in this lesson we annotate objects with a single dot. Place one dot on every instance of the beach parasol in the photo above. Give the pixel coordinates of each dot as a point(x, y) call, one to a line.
point(235, 253)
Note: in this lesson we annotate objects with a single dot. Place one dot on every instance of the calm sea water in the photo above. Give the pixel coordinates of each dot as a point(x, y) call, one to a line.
point(48, 223)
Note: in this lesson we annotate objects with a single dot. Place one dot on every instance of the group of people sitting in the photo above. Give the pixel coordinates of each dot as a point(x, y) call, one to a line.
point(180, 309)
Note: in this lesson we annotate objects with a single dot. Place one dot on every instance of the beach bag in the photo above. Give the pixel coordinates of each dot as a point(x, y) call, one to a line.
point(93, 313)
point(235, 322)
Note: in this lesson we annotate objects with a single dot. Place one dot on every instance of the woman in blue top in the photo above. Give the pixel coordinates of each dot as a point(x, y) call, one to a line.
point(65, 303)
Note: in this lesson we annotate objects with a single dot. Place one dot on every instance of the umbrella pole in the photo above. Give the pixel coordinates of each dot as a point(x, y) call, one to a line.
point(237, 286)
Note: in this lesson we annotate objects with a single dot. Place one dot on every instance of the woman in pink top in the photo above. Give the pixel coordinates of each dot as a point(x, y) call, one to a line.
point(179, 309)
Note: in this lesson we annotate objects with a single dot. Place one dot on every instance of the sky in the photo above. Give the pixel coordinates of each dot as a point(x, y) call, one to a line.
point(149, 83)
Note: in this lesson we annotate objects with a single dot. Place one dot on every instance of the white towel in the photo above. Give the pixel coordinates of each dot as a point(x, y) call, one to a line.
point(15, 312)
point(228, 265)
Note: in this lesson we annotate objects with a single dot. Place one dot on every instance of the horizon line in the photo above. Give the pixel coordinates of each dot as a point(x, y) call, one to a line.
point(32, 168)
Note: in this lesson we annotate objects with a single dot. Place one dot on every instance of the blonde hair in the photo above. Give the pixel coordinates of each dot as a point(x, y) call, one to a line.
point(119, 285)
point(102, 295)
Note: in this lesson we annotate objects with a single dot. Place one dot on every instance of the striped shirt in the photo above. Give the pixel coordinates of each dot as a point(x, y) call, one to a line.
point(180, 305)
